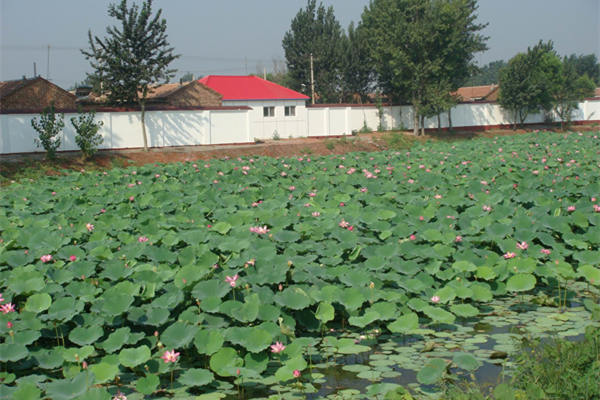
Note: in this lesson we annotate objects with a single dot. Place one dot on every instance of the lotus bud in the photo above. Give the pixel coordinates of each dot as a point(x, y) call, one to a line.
point(372, 285)
point(290, 263)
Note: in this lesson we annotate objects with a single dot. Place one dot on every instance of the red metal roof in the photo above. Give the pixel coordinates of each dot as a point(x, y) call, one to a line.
point(249, 88)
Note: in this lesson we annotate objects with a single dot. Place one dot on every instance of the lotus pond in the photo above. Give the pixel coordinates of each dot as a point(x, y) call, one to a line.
point(340, 277)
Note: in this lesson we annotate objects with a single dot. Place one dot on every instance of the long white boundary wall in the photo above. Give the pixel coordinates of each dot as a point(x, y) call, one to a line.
point(204, 127)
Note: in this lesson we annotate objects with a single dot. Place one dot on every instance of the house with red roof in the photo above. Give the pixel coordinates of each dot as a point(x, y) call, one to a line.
point(276, 111)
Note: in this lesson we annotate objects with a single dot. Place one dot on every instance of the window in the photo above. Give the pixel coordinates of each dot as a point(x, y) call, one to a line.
point(268, 111)
point(290, 111)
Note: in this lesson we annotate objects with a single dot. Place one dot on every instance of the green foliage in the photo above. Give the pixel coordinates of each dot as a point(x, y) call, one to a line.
point(586, 65)
point(132, 57)
point(416, 44)
point(333, 269)
point(356, 67)
point(315, 30)
point(486, 75)
point(570, 89)
point(88, 139)
point(528, 82)
point(49, 128)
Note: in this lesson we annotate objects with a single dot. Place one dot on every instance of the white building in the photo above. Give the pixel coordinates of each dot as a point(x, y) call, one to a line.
point(276, 110)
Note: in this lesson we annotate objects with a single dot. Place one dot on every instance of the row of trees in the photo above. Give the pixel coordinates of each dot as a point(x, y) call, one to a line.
point(540, 80)
point(413, 51)
point(420, 51)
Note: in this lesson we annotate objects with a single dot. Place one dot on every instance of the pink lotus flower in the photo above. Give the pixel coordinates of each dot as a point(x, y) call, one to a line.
point(364, 190)
point(119, 396)
point(46, 258)
point(597, 208)
point(486, 208)
point(509, 255)
point(312, 194)
point(142, 239)
point(411, 181)
point(170, 356)
point(7, 308)
point(292, 188)
point(278, 347)
point(545, 251)
point(412, 237)
point(9, 325)
point(261, 230)
point(89, 227)
point(435, 299)
point(522, 245)
point(571, 208)
point(1, 298)
point(458, 239)
point(73, 258)
point(131, 198)
point(102, 210)
point(231, 280)
point(296, 373)
point(316, 214)
point(344, 224)
point(342, 204)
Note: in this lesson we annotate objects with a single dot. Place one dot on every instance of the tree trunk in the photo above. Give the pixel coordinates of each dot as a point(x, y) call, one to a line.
point(422, 125)
point(450, 119)
point(439, 123)
point(415, 120)
point(143, 108)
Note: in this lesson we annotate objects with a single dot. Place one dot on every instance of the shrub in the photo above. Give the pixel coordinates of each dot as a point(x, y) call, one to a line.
point(49, 128)
point(88, 139)
point(276, 135)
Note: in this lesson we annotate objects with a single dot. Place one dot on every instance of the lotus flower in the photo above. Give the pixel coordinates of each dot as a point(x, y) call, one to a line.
point(435, 299)
point(89, 227)
point(278, 347)
point(7, 308)
point(46, 258)
point(231, 280)
point(509, 255)
point(261, 230)
point(170, 356)
point(522, 245)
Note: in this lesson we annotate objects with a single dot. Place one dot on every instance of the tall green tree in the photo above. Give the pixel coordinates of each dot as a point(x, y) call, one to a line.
point(529, 81)
point(356, 68)
point(416, 44)
point(570, 88)
point(132, 57)
point(486, 75)
point(586, 65)
point(314, 30)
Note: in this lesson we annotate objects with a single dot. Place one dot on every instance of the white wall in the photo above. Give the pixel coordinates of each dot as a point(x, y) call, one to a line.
point(203, 127)
point(123, 129)
point(262, 127)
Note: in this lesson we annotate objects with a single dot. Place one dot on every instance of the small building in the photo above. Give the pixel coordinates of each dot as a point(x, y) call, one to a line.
point(183, 95)
point(484, 93)
point(277, 112)
point(33, 96)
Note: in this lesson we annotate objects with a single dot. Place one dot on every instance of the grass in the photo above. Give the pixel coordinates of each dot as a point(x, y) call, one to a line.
point(31, 169)
point(555, 369)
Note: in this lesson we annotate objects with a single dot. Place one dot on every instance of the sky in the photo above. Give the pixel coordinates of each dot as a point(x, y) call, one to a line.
point(232, 37)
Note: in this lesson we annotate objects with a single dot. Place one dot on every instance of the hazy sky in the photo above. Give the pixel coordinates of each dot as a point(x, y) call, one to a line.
point(243, 36)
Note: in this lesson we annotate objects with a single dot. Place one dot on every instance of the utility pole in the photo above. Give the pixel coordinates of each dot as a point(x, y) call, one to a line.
point(34, 70)
point(265, 73)
point(48, 64)
point(312, 79)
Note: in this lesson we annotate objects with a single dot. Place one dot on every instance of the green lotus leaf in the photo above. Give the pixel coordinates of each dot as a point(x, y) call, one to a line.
point(286, 236)
point(148, 384)
point(405, 323)
point(222, 227)
point(248, 312)
point(12, 352)
point(325, 312)
point(446, 294)
point(210, 288)
point(225, 362)
point(66, 389)
point(26, 391)
point(178, 335)
point(464, 266)
point(591, 274)
point(485, 273)
point(432, 372)
point(116, 303)
point(520, 283)
point(439, 315)
point(48, 359)
point(348, 346)
point(135, 356)
point(352, 298)
point(196, 377)
point(466, 361)
point(115, 340)
point(208, 341)
point(104, 372)
point(25, 280)
point(367, 318)
point(294, 298)
point(84, 336)
point(77, 354)
point(464, 310)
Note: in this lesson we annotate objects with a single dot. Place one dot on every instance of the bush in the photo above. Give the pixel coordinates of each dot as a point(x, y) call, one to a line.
point(49, 128)
point(88, 139)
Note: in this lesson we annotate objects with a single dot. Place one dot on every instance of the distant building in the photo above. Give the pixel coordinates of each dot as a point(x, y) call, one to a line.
point(470, 94)
point(171, 95)
point(33, 95)
point(276, 110)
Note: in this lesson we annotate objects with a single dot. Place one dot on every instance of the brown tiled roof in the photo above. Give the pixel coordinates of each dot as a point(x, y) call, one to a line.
point(477, 93)
point(8, 87)
point(156, 93)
